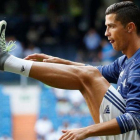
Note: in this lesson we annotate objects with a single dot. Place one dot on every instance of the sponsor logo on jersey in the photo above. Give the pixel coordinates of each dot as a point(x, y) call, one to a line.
point(107, 110)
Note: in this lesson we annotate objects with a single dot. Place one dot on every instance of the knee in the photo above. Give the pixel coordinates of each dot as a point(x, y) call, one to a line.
point(90, 73)
point(93, 71)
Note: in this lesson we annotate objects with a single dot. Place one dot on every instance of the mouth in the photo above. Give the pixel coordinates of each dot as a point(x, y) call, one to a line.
point(111, 41)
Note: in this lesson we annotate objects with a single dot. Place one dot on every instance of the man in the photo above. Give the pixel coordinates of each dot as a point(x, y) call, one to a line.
point(115, 112)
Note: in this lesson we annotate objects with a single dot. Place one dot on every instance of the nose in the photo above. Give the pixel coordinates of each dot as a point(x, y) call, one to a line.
point(107, 33)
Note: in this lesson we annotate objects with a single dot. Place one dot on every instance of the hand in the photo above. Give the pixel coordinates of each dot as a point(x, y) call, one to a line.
point(74, 134)
point(45, 58)
point(36, 57)
point(42, 58)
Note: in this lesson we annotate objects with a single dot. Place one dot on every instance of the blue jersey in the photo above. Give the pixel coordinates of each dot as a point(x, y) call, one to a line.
point(126, 74)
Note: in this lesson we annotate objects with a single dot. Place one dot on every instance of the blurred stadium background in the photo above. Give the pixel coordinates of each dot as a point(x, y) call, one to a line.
point(70, 29)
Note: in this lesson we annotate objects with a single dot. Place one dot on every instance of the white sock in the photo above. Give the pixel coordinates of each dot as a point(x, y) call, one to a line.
point(17, 65)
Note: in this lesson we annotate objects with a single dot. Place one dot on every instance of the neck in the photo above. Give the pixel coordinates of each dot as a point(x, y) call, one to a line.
point(133, 46)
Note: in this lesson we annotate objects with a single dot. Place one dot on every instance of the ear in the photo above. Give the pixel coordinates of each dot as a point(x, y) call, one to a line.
point(131, 27)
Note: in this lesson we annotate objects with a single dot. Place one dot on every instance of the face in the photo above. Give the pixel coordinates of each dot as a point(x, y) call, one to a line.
point(117, 34)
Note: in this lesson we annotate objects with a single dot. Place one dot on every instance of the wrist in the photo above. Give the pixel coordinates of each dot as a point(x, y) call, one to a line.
point(88, 132)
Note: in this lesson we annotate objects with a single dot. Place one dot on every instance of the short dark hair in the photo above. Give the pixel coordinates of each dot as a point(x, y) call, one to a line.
point(126, 12)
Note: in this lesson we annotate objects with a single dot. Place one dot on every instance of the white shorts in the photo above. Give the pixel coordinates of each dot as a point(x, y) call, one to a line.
point(112, 106)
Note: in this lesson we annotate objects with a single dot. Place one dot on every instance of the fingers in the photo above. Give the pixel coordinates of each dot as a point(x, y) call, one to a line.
point(65, 136)
point(33, 59)
point(50, 60)
point(29, 57)
point(64, 131)
point(68, 135)
point(43, 58)
point(33, 56)
point(37, 57)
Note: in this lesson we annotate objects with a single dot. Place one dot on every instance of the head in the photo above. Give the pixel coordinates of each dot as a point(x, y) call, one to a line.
point(122, 21)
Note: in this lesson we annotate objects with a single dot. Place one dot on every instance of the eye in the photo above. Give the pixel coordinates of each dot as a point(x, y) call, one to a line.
point(111, 26)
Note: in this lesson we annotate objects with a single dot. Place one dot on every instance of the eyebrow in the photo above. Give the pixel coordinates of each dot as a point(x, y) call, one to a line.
point(110, 24)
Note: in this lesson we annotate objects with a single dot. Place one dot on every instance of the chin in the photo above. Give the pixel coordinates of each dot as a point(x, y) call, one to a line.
point(116, 48)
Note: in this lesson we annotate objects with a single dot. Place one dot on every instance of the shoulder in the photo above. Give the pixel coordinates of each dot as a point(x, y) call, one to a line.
point(134, 72)
point(135, 64)
point(119, 62)
point(122, 59)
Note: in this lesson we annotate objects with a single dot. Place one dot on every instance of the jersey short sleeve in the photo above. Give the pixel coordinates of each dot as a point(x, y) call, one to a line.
point(111, 72)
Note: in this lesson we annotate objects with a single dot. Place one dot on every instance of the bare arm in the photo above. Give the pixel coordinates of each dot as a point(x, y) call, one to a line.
point(102, 129)
point(51, 59)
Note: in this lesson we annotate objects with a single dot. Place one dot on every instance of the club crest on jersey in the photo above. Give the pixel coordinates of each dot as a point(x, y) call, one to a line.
point(107, 110)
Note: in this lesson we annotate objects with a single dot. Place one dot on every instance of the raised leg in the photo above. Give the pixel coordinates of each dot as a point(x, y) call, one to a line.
point(87, 79)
